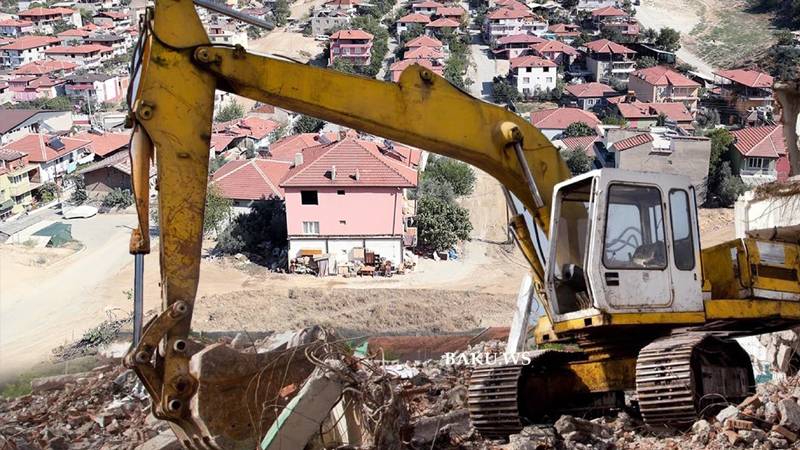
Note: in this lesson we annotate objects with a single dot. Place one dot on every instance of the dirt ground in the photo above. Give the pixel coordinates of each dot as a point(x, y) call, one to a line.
point(280, 42)
point(716, 226)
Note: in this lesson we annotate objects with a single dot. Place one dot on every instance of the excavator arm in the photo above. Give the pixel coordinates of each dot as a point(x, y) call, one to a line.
point(201, 390)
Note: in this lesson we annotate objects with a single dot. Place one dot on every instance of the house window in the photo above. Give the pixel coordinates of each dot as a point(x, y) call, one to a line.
point(342, 222)
point(310, 227)
point(340, 192)
point(757, 163)
point(546, 69)
point(309, 198)
point(526, 80)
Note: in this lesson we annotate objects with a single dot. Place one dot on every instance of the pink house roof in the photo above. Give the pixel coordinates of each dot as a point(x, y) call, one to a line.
point(252, 179)
point(606, 46)
point(636, 110)
point(104, 144)
point(254, 127)
point(44, 67)
point(38, 147)
point(355, 165)
point(29, 42)
point(564, 29)
point(450, 11)
point(398, 67)
point(75, 32)
point(676, 111)
point(41, 12)
point(286, 148)
point(423, 53)
point(554, 46)
point(608, 11)
point(663, 76)
point(351, 34)
point(561, 118)
point(427, 4)
point(766, 141)
point(590, 90)
point(520, 39)
point(414, 18)
point(531, 61)
point(424, 41)
point(78, 49)
point(749, 78)
point(443, 22)
point(509, 13)
point(633, 141)
point(15, 23)
point(513, 4)
point(585, 143)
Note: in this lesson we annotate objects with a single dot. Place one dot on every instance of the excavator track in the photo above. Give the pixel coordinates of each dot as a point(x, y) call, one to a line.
point(680, 377)
point(493, 399)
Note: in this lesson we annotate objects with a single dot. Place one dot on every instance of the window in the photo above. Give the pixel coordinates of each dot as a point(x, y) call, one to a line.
point(526, 80)
point(340, 192)
point(310, 227)
point(634, 228)
point(546, 69)
point(309, 198)
point(342, 222)
point(757, 163)
point(683, 245)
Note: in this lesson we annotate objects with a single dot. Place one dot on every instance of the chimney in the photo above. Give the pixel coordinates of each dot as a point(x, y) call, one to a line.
point(630, 97)
point(342, 134)
point(333, 172)
point(358, 175)
point(298, 159)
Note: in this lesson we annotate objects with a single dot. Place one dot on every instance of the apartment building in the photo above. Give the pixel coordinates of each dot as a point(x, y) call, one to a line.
point(515, 45)
point(24, 50)
point(15, 28)
point(607, 60)
point(507, 21)
point(745, 91)
point(532, 74)
point(353, 45)
point(86, 56)
point(43, 19)
point(55, 156)
point(661, 84)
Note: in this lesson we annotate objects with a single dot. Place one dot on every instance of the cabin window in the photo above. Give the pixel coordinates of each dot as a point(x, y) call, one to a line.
point(682, 242)
point(634, 237)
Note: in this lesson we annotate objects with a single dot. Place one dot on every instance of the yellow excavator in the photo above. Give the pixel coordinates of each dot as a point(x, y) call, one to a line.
point(615, 256)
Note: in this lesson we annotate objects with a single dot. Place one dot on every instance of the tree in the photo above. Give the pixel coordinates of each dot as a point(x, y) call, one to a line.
point(264, 225)
point(646, 61)
point(685, 68)
point(729, 186)
point(458, 174)
point(61, 26)
point(577, 129)
point(79, 195)
point(118, 198)
point(577, 160)
point(722, 186)
point(59, 103)
point(47, 192)
point(281, 12)
point(308, 124)
point(707, 118)
point(441, 224)
point(615, 119)
point(441, 189)
point(216, 163)
point(661, 120)
point(343, 65)
point(649, 36)
point(231, 111)
point(668, 39)
point(503, 92)
point(218, 210)
point(612, 34)
point(783, 61)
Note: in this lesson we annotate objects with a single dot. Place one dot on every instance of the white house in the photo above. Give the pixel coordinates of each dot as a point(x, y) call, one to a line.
point(56, 156)
point(87, 56)
point(24, 50)
point(15, 28)
point(533, 73)
point(427, 7)
point(95, 86)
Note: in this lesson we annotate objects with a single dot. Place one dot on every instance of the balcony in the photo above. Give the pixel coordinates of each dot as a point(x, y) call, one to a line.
point(22, 188)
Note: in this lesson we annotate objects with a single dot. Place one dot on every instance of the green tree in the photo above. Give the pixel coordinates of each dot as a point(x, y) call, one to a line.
point(722, 186)
point(60, 103)
point(281, 12)
point(615, 119)
point(646, 61)
point(308, 124)
point(729, 186)
point(685, 68)
point(577, 160)
point(216, 163)
point(47, 192)
point(218, 210)
point(441, 224)
point(612, 34)
point(783, 61)
point(648, 35)
point(458, 174)
point(577, 129)
point(231, 111)
point(61, 26)
point(118, 198)
point(668, 39)
point(503, 92)
point(79, 195)
point(441, 189)
point(264, 225)
point(343, 65)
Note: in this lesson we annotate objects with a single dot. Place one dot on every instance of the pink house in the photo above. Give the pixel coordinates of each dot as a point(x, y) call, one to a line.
point(345, 195)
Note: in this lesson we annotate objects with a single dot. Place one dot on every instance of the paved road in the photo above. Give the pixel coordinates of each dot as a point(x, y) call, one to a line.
point(483, 69)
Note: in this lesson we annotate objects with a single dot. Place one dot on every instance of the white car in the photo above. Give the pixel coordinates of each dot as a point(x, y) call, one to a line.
point(321, 37)
point(80, 212)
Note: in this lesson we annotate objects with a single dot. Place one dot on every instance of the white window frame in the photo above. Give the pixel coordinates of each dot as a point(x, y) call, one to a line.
point(311, 227)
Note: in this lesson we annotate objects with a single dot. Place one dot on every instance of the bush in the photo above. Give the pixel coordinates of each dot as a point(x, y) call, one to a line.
point(578, 129)
point(458, 174)
point(281, 12)
point(79, 195)
point(646, 61)
point(441, 224)
point(441, 189)
point(218, 210)
point(308, 124)
point(577, 160)
point(118, 198)
point(216, 163)
point(265, 223)
point(231, 111)
point(504, 92)
point(47, 192)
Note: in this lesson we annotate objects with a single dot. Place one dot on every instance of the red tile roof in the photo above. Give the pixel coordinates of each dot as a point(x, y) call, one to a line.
point(561, 118)
point(426, 4)
point(663, 76)
point(423, 53)
point(520, 39)
point(75, 32)
point(606, 46)
point(344, 2)
point(443, 22)
point(356, 163)
point(77, 49)
point(585, 143)
point(766, 141)
point(424, 41)
point(398, 67)
point(252, 179)
point(509, 13)
point(38, 147)
point(112, 15)
point(351, 34)
point(15, 23)
point(591, 90)
point(414, 18)
point(636, 110)
point(104, 144)
point(633, 141)
point(44, 67)
point(564, 29)
point(450, 11)
point(608, 11)
point(29, 42)
point(750, 78)
point(531, 61)
point(285, 148)
point(40, 12)
point(513, 4)
point(676, 111)
point(554, 46)
point(254, 127)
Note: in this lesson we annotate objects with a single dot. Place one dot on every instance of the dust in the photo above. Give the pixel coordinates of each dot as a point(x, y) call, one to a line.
point(716, 226)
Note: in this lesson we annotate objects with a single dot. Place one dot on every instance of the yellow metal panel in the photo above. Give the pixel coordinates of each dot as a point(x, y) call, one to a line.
point(770, 274)
point(606, 375)
point(751, 309)
point(727, 275)
point(649, 318)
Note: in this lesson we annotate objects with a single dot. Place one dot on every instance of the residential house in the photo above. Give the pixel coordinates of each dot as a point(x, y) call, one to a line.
point(591, 5)
point(24, 50)
point(16, 187)
point(442, 25)
point(105, 145)
point(353, 45)
point(285, 148)
point(326, 20)
point(113, 19)
point(345, 5)
point(759, 154)
point(628, 28)
point(111, 173)
point(97, 87)
point(56, 156)
point(553, 122)
point(26, 88)
point(398, 67)
point(247, 181)
point(227, 35)
point(515, 45)
point(73, 36)
point(607, 60)
point(432, 54)
point(507, 21)
point(249, 132)
point(533, 74)
point(346, 195)
point(564, 32)
point(427, 7)
point(586, 144)
point(411, 20)
point(87, 56)
point(661, 84)
point(746, 91)
point(676, 113)
point(608, 15)
point(17, 123)
point(556, 51)
point(44, 18)
point(588, 96)
point(660, 151)
point(426, 41)
point(643, 115)
point(456, 13)
point(46, 67)
point(121, 42)
point(15, 28)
